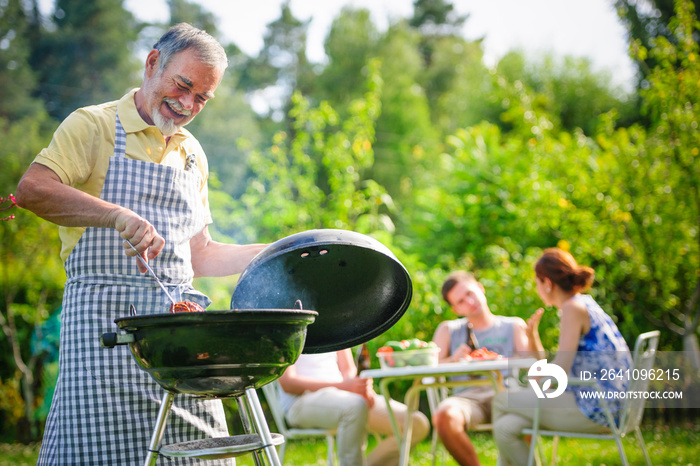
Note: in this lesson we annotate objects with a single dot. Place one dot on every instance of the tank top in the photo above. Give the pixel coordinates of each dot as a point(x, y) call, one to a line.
point(497, 338)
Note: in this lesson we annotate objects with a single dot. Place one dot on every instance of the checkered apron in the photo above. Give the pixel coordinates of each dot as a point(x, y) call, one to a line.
point(105, 407)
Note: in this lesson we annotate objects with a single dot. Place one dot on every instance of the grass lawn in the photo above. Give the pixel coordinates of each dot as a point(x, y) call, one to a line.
point(675, 446)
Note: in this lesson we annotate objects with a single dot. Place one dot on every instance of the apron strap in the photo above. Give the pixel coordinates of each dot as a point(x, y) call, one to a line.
point(119, 139)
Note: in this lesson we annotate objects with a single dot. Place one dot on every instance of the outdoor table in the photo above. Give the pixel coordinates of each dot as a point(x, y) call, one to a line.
point(425, 377)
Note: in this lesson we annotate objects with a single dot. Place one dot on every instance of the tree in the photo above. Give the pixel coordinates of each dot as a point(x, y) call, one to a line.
point(655, 185)
point(435, 19)
point(455, 79)
point(574, 93)
point(31, 280)
point(281, 66)
point(86, 55)
point(182, 11)
point(646, 21)
point(351, 42)
point(458, 85)
point(17, 80)
point(405, 132)
point(488, 205)
point(31, 286)
point(313, 178)
point(29, 277)
point(624, 201)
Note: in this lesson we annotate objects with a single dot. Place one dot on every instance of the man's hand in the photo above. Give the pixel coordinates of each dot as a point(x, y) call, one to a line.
point(363, 387)
point(142, 235)
point(461, 353)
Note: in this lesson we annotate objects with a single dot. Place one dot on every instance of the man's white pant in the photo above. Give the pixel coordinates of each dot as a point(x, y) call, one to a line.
point(348, 413)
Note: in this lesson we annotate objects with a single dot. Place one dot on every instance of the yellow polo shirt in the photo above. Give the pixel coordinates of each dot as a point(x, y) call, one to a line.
point(82, 145)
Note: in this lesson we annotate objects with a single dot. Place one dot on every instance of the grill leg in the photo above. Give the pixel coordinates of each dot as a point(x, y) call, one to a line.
point(163, 413)
point(261, 426)
point(244, 412)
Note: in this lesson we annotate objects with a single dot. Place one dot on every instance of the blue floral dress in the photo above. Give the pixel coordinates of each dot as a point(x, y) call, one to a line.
point(603, 352)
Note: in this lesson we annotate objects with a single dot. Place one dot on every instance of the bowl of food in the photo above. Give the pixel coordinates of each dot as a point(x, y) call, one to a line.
point(408, 353)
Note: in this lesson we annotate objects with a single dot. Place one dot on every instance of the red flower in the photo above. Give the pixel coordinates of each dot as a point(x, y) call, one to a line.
point(12, 203)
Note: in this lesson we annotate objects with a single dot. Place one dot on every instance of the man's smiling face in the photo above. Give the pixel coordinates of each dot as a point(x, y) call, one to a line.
point(176, 94)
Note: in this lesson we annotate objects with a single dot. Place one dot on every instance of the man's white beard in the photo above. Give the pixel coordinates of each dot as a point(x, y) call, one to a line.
point(165, 125)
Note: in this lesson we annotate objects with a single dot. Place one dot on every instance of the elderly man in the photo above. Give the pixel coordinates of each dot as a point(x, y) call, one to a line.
point(128, 171)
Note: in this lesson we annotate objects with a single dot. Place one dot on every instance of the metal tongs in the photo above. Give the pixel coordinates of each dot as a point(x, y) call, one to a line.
point(150, 270)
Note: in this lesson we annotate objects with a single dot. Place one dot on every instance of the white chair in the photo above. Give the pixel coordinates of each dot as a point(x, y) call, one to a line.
point(632, 410)
point(291, 433)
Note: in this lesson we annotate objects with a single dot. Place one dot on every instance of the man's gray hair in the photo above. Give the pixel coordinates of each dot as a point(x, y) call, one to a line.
point(184, 36)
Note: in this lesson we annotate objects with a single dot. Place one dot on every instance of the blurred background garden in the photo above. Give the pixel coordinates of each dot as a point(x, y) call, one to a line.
point(402, 133)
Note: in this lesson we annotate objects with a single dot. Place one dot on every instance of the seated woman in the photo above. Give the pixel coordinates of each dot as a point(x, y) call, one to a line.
point(323, 391)
point(588, 341)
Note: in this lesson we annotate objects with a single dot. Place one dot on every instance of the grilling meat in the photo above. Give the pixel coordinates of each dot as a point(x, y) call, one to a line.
point(186, 306)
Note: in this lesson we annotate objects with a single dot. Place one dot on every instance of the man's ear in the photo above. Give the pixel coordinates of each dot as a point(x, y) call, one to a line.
point(481, 287)
point(152, 62)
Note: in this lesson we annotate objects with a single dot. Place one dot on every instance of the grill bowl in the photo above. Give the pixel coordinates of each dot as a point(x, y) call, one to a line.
point(217, 353)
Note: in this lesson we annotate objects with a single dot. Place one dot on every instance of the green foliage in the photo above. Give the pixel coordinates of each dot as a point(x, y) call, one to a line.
point(351, 42)
point(17, 78)
point(31, 272)
point(668, 446)
point(312, 177)
point(193, 13)
point(281, 66)
point(435, 19)
point(458, 85)
point(86, 58)
point(485, 207)
point(645, 23)
point(574, 94)
point(405, 133)
point(625, 202)
point(651, 189)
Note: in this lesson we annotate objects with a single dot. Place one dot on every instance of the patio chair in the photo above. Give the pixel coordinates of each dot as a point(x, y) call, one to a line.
point(291, 433)
point(632, 410)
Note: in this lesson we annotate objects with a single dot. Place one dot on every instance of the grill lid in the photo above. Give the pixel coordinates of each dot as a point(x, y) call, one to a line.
point(355, 283)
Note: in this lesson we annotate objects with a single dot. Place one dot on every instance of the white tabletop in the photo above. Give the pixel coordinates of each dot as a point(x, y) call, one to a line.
point(447, 369)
